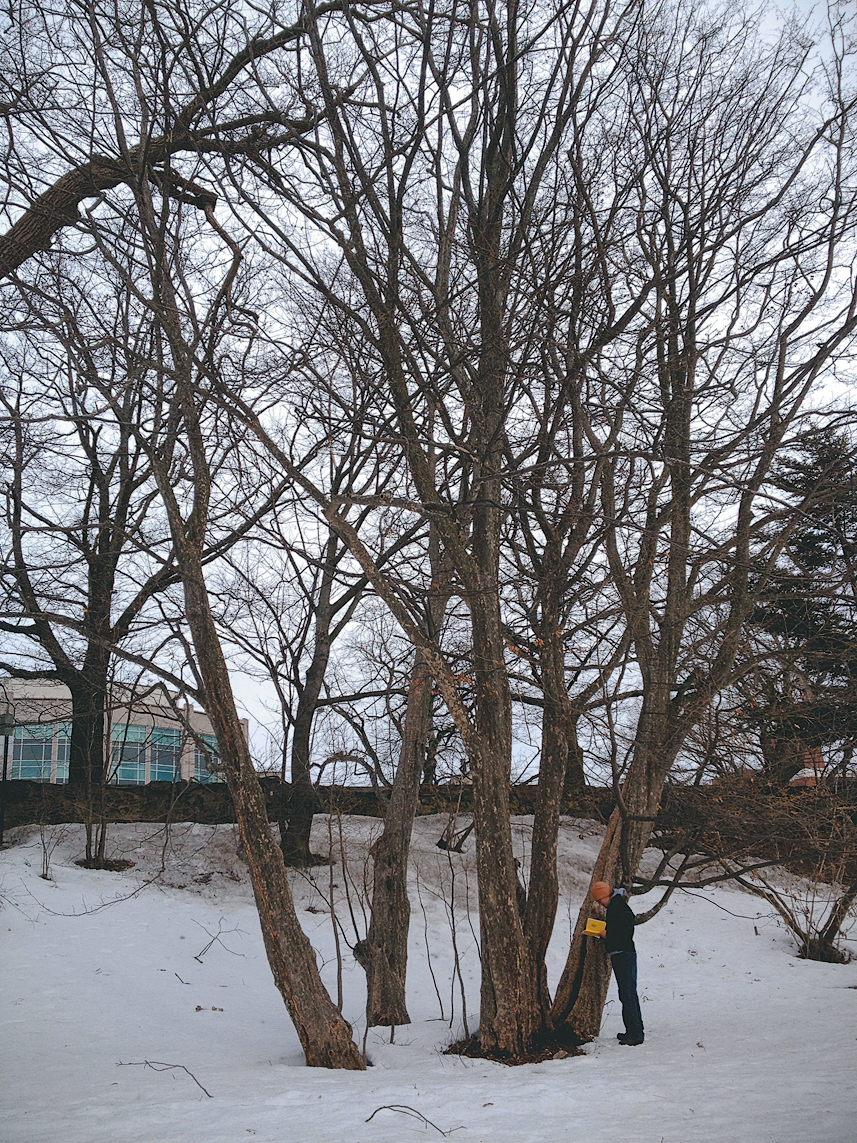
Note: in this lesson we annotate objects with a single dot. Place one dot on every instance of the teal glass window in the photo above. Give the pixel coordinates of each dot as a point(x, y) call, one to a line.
point(63, 751)
point(204, 760)
point(32, 751)
point(165, 753)
point(129, 755)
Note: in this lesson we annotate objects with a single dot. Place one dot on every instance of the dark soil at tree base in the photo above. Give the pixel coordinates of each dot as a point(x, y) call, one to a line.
point(548, 1047)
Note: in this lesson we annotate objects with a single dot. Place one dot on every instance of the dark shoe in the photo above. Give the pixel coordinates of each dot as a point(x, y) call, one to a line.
point(629, 1041)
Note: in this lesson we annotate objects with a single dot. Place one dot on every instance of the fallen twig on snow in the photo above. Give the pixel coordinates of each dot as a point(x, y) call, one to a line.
point(405, 1110)
point(159, 1066)
point(215, 938)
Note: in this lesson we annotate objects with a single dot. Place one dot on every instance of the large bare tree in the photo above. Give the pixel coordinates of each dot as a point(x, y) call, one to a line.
point(152, 234)
point(429, 188)
point(754, 296)
point(588, 260)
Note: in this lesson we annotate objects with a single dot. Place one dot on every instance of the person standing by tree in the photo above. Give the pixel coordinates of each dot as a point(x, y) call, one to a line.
point(619, 935)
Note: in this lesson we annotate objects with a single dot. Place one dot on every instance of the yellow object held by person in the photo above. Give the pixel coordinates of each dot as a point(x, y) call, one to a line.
point(594, 928)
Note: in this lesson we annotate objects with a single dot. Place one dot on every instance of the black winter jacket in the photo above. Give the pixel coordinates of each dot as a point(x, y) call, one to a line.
point(620, 925)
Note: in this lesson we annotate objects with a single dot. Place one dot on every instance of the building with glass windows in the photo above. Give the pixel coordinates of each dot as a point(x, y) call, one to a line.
point(153, 736)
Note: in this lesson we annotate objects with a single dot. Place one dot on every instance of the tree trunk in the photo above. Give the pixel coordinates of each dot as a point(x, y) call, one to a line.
point(296, 825)
point(384, 953)
point(324, 1035)
point(86, 747)
point(294, 836)
point(543, 894)
point(575, 778)
point(508, 1018)
point(582, 990)
point(824, 947)
point(87, 753)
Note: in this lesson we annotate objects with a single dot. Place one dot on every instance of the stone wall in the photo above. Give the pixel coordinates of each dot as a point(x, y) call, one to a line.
point(28, 803)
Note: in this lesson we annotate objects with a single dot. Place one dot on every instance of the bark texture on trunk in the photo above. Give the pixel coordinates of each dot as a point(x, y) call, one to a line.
point(88, 750)
point(86, 745)
point(575, 778)
point(294, 840)
point(324, 1034)
point(508, 1016)
point(384, 953)
point(56, 208)
point(582, 990)
point(296, 824)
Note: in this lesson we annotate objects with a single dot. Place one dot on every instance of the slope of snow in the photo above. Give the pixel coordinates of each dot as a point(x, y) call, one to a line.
point(138, 1006)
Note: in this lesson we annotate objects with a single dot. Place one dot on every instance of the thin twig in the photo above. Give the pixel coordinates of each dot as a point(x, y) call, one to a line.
point(333, 918)
point(215, 938)
point(405, 1110)
point(159, 1066)
point(426, 939)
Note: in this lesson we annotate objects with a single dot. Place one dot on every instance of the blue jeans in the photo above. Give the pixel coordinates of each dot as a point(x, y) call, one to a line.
point(625, 970)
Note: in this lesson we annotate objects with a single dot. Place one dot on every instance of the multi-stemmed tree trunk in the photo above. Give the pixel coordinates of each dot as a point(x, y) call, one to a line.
point(491, 170)
point(433, 188)
point(508, 1019)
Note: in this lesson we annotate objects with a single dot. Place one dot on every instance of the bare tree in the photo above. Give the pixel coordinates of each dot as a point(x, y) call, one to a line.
point(754, 298)
point(325, 1036)
point(59, 156)
point(586, 268)
point(153, 234)
point(84, 548)
point(431, 283)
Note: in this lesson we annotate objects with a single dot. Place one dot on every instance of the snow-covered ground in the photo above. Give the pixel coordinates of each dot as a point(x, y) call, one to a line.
point(138, 1006)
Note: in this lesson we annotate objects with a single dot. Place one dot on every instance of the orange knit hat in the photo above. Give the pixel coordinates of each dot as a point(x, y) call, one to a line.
point(600, 889)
